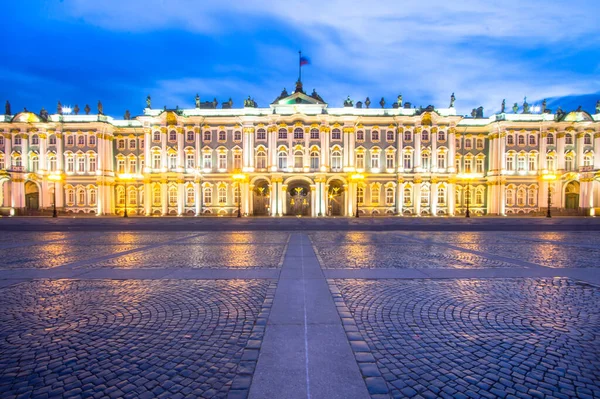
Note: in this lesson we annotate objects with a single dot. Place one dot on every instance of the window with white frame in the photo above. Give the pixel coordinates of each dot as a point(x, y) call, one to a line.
point(35, 140)
point(336, 160)
point(360, 195)
point(389, 136)
point(532, 197)
point(550, 139)
point(314, 159)
point(70, 164)
point(70, 140)
point(35, 164)
point(521, 139)
point(237, 136)
point(390, 160)
point(190, 135)
point(172, 136)
point(441, 135)
point(510, 197)
point(52, 163)
point(261, 160)
point(222, 195)
point(521, 163)
point(190, 160)
point(80, 164)
point(532, 139)
point(156, 136)
point(2, 162)
point(336, 134)
point(360, 160)
point(132, 165)
point(569, 162)
point(207, 197)
point(441, 161)
point(441, 196)
point(375, 135)
point(172, 161)
point(92, 195)
point(52, 140)
point(510, 162)
point(457, 164)
point(360, 135)
point(407, 196)
point(298, 159)
point(92, 164)
point(389, 196)
point(298, 133)
point(92, 141)
point(479, 144)
point(261, 134)
point(375, 160)
point(587, 139)
point(282, 159)
point(156, 196)
point(237, 160)
point(425, 135)
point(468, 165)
point(120, 196)
point(314, 134)
point(132, 196)
point(120, 166)
point(521, 197)
point(207, 160)
point(424, 196)
point(375, 194)
point(236, 194)
point(588, 159)
point(479, 165)
point(222, 136)
point(70, 196)
point(479, 196)
point(532, 162)
point(407, 158)
point(407, 135)
point(172, 196)
point(222, 160)
point(425, 161)
point(207, 136)
point(121, 144)
point(156, 160)
point(551, 162)
point(282, 135)
point(569, 138)
point(510, 140)
point(190, 196)
point(468, 144)
point(457, 143)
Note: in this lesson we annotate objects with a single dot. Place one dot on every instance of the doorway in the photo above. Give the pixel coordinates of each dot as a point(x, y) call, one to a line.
point(572, 195)
point(32, 196)
point(298, 199)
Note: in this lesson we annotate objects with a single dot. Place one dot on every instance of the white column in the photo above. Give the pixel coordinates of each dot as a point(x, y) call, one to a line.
point(399, 197)
point(417, 153)
point(25, 152)
point(450, 198)
point(147, 198)
point(313, 200)
point(417, 198)
point(579, 150)
point(433, 198)
point(44, 149)
point(8, 148)
point(596, 150)
point(164, 195)
point(180, 198)
point(163, 143)
point(543, 165)
point(451, 150)
point(281, 199)
point(560, 150)
point(180, 145)
point(198, 196)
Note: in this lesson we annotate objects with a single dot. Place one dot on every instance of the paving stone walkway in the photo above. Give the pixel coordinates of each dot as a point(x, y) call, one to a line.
point(300, 315)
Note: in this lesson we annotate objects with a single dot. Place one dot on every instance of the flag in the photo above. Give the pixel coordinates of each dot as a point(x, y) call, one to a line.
point(304, 61)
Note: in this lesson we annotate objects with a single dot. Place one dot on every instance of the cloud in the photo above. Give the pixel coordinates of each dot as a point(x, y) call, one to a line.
point(483, 51)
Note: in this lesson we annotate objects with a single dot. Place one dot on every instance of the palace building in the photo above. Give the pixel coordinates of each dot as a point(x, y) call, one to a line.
point(301, 156)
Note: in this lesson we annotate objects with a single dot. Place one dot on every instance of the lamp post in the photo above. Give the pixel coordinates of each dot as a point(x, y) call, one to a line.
point(55, 178)
point(125, 177)
point(356, 178)
point(549, 178)
point(468, 177)
point(239, 177)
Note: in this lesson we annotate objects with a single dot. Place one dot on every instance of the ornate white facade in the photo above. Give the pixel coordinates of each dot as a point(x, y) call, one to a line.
point(300, 156)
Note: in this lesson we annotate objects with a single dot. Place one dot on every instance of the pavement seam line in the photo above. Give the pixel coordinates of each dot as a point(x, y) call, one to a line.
point(306, 364)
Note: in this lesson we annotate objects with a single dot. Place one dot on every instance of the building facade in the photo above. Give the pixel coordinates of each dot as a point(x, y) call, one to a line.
point(300, 157)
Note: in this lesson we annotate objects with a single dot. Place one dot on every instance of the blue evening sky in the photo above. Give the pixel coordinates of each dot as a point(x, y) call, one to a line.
point(119, 51)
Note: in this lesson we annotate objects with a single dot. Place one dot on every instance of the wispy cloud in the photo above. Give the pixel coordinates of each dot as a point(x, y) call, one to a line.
point(483, 51)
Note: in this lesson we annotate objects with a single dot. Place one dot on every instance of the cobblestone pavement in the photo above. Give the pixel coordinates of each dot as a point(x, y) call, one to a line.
point(131, 338)
point(531, 338)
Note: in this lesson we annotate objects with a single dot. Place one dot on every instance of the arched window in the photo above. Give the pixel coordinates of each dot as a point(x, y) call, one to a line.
point(375, 135)
point(510, 197)
point(190, 135)
point(479, 144)
point(468, 144)
point(588, 159)
point(532, 139)
point(551, 162)
point(360, 135)
point(81, 196)
point(510, 139)
point(261, 134)
point(207, 197)
point(282, 134)
point(222, 192)
point(568, 138)
point(550, 139)
point(389, 136)
point(282, 159)
point(407, 135)
point(121, 144)
point(521, 197)
point(521, 139)
point(425, 160)
point(222, 135)
point(2, 162)
point(479, 196)
point(360, 160)
point(314, 134)
point(172, 161)
point(298, 133)
point(70, 140)
point(35, 140)
point(360, 195)
point(336, 134)
point(190, 196)
point(156, 195)
point(132, 196)
point(407, 196)
point(71, 196)
point(425, 135)
point(441, 135)
point(92, 193)
point(81, 140)
point(336, 161)
point(389, 196)
point(532, 196)
point(120, 196)
point(425, 195)
point(569, 162)
point(261, 160)
point(172, 135)
point(156, 136)
point(132, 144)
point(441, 198)
point(587, 139)
point(172, 195)
point(298, 159)
point(52, 140)
point(375, 192)
point(314, 159)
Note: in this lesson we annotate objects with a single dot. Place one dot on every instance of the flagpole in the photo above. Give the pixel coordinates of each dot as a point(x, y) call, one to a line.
point(299, 66)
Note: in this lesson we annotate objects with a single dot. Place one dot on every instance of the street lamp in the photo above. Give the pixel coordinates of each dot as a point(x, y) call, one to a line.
point(239, 177)
point(468, 177)
point(549, 178)
point(126, 177)
point(55, 178)
point(356, 178)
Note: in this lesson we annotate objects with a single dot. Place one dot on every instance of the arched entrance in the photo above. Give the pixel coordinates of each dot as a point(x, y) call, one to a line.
point(335, 198)
point(261, 198)
point(298, 199)
point(572, 195)
point(32, 196)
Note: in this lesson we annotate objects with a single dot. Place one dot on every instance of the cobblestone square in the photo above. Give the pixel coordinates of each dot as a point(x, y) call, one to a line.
point(477, 338)
point(129, 338)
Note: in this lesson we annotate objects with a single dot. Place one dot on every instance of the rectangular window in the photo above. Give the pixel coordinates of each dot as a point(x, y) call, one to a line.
point(17, 140)
point(92, 167)
point(468, 165)
point(190, 162)
point(314, 160)
point(237, 136)
point(375, 135)
point(390, 136)
point(441, 161)
point(407, 161)
point(207, 161)
point(222, 161)
point(510, 162)
point(132, 165)
point(532, 163)
point(389, 160)
point(132, 144)
point(261, 134)
point(70, 164)
point(222, 136)
point(360, 160)
point(479, 165)
point(207, 195)
point(237, 161)
point(531, 139)
point(190, 136)
point(121, 166)
point(336, 134)
point(375, 160)
point(206, 135)
point(314, 134)
point(156, 161)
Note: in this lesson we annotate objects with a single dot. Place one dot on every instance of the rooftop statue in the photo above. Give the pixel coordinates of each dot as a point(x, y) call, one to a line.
point(503, 106)
point(197, 101)
point(400, 101)
point(473, 113)
point(7, 108)
point(87, 109)
point(515, 108)
point(44, 113)
point(148, 102)
point(100, 108)
point(215, 102)
point(382, 102)
point(368, 102)
point(250, 103)
point(479, 112)
point(348, 102)
point(76, 109)
point(59, 108)
point(544, 106)
point(452, 99)
point(559, 113)
point(316, 96)
point(578, 109)
point(359, 104)
point(228, 104)
point(525, 106)
point(598, 107)
point(127, 115)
